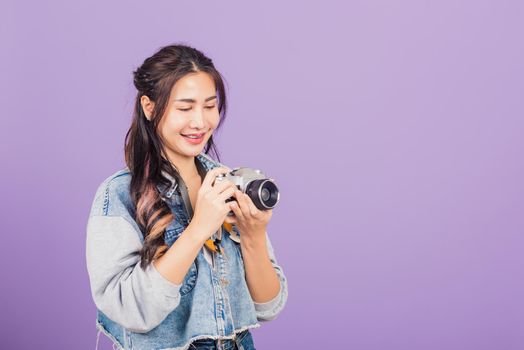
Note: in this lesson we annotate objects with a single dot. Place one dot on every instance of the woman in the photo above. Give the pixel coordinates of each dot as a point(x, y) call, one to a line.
point(169, 269)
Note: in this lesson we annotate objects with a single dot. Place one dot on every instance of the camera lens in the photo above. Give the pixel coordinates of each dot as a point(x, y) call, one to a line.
point(264, 193)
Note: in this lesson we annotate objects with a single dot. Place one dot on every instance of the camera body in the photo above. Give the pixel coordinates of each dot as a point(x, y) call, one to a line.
point(262, 190)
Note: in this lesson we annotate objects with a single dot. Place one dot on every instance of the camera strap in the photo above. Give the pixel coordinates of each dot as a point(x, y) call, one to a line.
point(212, 243)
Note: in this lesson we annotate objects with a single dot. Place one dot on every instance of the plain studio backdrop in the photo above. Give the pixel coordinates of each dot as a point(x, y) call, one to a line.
point(393, 128)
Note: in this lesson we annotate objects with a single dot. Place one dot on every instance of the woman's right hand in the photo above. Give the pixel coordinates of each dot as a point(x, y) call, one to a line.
point(211, 208)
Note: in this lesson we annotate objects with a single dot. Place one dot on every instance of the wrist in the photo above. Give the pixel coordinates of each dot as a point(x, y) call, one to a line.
point(254, 241)
point(198, 232)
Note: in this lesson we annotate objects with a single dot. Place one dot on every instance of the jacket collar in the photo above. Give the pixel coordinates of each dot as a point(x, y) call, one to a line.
point(207, 164)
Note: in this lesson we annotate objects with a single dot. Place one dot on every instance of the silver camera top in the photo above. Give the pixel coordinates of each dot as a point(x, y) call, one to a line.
point(262, 190)
point(242, 176)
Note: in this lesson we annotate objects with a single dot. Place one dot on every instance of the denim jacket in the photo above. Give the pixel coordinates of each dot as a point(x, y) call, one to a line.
point(140, 309)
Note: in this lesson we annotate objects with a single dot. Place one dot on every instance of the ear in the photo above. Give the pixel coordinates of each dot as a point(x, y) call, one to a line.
point(147, 106)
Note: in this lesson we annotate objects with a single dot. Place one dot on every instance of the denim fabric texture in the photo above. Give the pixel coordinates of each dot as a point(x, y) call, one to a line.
point(244, 341)
point(212, 303)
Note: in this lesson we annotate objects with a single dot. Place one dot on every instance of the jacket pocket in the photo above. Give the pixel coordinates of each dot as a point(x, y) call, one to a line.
point(189, 280)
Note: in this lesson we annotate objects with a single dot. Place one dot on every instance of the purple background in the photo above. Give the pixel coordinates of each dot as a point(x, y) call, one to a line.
point(394, 129)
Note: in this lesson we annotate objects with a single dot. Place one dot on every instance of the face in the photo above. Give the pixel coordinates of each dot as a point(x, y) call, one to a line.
point(191, 116)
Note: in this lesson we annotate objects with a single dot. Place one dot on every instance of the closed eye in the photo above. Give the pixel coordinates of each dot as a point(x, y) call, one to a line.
point(188, 109)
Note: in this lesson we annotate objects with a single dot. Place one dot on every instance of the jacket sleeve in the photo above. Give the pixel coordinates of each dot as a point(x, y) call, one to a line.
point(138, 299)
point(269, 310)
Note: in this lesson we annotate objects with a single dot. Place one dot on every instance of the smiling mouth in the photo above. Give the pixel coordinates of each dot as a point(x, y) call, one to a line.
point(194, 136)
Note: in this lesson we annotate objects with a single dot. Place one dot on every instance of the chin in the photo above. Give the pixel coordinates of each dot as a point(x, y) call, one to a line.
point(194, 151)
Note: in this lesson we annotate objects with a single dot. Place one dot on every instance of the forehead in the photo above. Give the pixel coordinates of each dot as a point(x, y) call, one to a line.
point(198, 86)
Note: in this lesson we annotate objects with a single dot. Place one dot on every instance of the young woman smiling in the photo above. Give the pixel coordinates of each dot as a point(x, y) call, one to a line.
point(165, 273)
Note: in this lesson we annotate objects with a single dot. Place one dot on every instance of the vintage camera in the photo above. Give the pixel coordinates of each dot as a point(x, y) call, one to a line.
point(262, 190)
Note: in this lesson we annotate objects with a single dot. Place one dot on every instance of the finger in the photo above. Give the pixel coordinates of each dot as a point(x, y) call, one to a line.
point(222, 186)
point(231, 219)
point(227, 193)
point(236, 209)
point(241, 200)
point(211, 175)
point(252, 207)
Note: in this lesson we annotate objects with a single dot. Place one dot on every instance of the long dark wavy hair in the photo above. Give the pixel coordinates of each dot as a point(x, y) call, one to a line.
point(144, 150)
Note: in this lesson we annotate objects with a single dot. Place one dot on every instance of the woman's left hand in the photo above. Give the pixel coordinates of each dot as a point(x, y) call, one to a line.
point(250, 220)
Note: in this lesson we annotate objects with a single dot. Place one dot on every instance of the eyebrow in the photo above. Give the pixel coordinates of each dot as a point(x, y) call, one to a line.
point(190, 100)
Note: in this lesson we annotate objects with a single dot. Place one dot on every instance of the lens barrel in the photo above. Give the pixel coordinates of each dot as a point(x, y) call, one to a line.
point(264, 193)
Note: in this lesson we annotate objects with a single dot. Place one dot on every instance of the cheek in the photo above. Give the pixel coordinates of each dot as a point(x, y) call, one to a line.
point(174, 124)
point(169, 129)
point(213, 120)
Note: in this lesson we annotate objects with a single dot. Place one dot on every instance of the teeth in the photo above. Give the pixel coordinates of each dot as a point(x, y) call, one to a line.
point(193, 136)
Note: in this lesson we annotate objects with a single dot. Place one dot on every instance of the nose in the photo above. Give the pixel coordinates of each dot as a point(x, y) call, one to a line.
point(197, 119)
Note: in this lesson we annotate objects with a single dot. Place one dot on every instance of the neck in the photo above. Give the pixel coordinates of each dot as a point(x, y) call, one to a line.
point(186, 167)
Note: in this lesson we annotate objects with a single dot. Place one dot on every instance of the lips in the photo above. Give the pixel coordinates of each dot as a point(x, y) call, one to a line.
point(194, 139)
point(193, 136)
